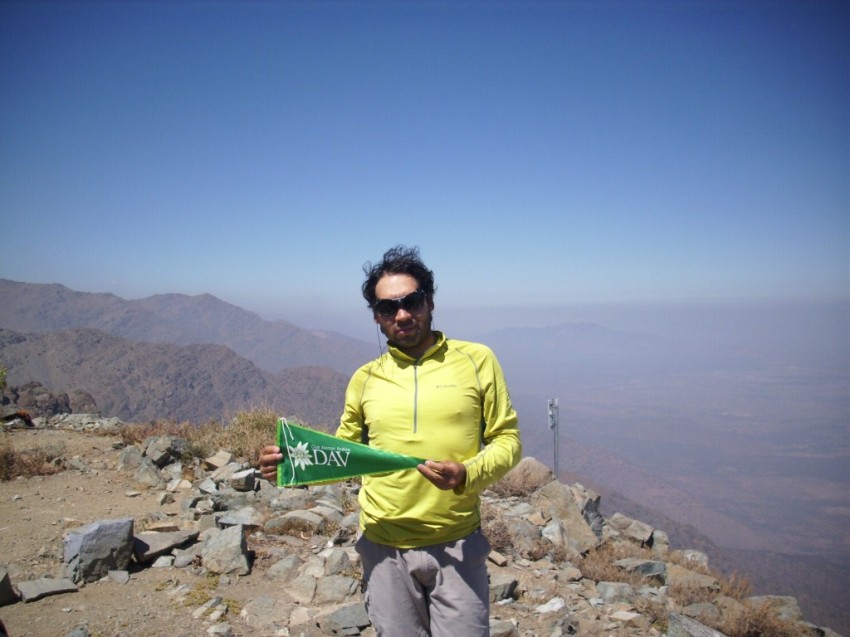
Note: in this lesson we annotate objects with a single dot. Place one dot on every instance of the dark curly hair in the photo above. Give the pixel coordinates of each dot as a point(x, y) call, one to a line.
point(397, 260)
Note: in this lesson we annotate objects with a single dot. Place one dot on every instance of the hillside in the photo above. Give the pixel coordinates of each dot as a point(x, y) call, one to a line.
point(139, 381)
point(181, 320)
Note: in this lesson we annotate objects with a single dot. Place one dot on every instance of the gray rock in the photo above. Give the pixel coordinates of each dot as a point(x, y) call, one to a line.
point(335, 589)
point(613, 592)
point(148, 475)
point(162, 450)
point(632, 529)
point(337, 562)
point(246, 516)
point(652, 569)
point(680, 576)
point(242, 480)
point(302, 588)
point(502, 586)
point(284, 569)
point(344, 620)
point(226, 552)
point(148, 545)
point(266, 613)
point(503, 628)
point(91, 551)
point(559, 501)
point(680, 626)
point(36, 589)
point(220, 459)
point(702, 611)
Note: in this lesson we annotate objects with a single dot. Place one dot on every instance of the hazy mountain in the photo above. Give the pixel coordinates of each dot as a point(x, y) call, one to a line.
point(145, 381)
point(179, 319)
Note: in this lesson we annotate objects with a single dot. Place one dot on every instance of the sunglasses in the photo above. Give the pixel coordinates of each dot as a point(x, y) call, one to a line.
point(410, 303)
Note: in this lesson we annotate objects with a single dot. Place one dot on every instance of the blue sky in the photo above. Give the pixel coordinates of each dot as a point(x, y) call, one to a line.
point(536, 152)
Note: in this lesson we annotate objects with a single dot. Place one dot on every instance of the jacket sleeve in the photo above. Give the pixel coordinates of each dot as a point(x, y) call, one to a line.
point(502, 445)
point(351, 423)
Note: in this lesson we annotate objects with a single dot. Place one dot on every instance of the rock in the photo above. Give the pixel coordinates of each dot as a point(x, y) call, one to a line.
point(679, 576)
point(148, 545)
point(34, 590)
point(284, 569)
point(91, 551)
point(552, 606)
point(632, 529)
point(163, 450)
point(612, 592)
point(242, 480)
point(227, 552)
point(680, 626)
point(246, 516)
point(344, 619)
point(651, 569)
point(218, 460)
point(497, 558)
point(265, 613)
point(7, 593)
point(503, 628)
point(130, 459)
point(335, 589)
point(705, 612)
point(558, 501)
point(502, 586)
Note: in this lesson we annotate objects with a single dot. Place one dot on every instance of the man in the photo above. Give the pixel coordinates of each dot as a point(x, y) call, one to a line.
point(423, 554)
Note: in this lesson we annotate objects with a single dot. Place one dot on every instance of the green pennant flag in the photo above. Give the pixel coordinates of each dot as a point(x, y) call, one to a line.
point(311, 456)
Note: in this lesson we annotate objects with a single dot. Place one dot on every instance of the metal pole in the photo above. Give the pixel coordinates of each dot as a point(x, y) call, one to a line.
point(553, 425)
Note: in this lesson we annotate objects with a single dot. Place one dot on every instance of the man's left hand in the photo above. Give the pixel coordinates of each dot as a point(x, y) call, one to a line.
point(444, 475)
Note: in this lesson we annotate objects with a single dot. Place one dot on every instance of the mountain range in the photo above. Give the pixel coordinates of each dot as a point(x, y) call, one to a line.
point(735, 445)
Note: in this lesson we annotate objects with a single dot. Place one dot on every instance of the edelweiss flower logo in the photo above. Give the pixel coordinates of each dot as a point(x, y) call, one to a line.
point(300, 456)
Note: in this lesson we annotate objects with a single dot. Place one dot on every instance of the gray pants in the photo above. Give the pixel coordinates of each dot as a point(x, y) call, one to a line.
point(434, 591)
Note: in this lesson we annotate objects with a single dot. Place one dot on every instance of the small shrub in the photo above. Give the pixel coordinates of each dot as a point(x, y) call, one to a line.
point(39, 461)
point(243, 436)
point(495, 528)
point(598, 564)
point(759, 620)
point(521, 481)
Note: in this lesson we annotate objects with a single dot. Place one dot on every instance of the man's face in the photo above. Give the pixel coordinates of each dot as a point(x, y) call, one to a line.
point(407, 329)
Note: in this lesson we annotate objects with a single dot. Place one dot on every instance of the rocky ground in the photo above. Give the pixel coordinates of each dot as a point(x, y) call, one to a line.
point(539, 597)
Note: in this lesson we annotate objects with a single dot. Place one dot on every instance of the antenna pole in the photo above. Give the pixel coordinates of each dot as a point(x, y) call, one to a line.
point(553, 425)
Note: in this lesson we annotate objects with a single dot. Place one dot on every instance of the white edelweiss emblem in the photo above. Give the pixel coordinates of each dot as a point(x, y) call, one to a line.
point(300, 456)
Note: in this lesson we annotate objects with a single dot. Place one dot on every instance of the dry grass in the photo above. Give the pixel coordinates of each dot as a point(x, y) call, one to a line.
point(521, 481)
point(598, 564)
point(39, 461)
point(495, 528)
point(243, 436)
point(759, 621)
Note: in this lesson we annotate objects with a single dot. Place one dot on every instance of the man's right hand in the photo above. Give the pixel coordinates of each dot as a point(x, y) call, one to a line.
point(270, 457)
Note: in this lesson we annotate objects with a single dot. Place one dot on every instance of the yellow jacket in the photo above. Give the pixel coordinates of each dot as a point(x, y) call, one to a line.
point(450, 404)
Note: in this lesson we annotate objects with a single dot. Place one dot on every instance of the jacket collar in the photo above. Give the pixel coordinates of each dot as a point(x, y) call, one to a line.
point(437, 346)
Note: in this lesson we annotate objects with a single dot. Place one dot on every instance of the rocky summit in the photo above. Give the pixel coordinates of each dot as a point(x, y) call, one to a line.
point(136, 540)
